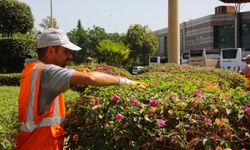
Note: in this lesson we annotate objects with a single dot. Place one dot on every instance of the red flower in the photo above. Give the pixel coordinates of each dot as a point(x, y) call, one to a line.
point(160, 122)
point(119, 116)
point(247, 110)
point(152, 102)
point(215, 137)
point(135, 102)
point(208, 121)
point(115, 98)
point(198, 92)
point(154, 84)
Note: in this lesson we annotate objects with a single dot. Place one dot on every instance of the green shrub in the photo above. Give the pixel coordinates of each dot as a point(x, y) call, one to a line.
point(13, 52)
point(11, 79)
point(182, 108)
point(8, 115)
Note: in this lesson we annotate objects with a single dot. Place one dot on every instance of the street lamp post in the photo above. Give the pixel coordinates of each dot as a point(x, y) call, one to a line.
point(51, 13)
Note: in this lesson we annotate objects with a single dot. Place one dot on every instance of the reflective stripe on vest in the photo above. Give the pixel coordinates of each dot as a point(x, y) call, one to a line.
point(30, 125)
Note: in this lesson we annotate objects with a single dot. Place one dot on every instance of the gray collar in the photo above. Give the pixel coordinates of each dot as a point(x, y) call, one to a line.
point(32, 60)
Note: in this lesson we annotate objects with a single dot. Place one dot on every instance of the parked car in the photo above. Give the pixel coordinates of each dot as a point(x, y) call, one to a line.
point(185, 58)
point(135, 69)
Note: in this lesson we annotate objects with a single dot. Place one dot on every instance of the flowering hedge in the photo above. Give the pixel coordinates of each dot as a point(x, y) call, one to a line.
point(98, 67)
point(182, 108)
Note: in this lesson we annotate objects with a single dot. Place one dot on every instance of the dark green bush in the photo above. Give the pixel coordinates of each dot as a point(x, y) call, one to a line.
point(13, 52)
point(15, 17)
point(9, 79)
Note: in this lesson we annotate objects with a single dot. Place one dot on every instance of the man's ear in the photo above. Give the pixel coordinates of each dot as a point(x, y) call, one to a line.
point(50, 52)
point(49, 56)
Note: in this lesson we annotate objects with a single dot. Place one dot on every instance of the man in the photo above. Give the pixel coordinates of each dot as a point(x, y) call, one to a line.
point(246, 71)
point(41, 109)
point(89, 60)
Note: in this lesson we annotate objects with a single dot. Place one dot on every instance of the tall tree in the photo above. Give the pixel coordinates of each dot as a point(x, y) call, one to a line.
point(15, 17)
point(89, 39)
point(96, 35)
point(46, 23)
point(112, 53)
point(142, 43)
point(79, 36)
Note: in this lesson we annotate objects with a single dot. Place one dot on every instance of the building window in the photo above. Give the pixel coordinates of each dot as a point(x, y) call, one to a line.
point(223, 36)
point(245, 36)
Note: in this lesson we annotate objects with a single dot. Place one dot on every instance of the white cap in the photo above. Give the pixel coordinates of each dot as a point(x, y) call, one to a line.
point(89, 58)
point(248, 57)
point(55, 37)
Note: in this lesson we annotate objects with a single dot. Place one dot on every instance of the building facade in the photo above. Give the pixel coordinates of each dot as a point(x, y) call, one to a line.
point(211, 32)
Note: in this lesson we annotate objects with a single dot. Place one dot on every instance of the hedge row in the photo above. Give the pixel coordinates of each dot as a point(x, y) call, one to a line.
point(181, 108)
point(11, 79)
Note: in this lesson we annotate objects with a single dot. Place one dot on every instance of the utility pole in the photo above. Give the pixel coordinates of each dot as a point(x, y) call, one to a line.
point(173, 32)
point(51, 13)
point(237, 26)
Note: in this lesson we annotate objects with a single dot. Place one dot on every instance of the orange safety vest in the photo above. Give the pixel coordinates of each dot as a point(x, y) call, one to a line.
point(38, 132)
point(247, 75)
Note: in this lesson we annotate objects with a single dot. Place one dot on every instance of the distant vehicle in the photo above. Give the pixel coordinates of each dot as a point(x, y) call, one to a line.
point(157, 60)
point(231, 59)
point(135, 69)
point(197, 57)
point(185, 58)
point(154, 60)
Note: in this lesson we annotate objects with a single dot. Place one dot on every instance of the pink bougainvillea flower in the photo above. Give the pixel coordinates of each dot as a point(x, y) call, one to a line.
point(135, 102)
point(198, 92)
point(208, 121)
point(152, 102)
point(115, 98)
point(146, 118)
point(119, 116)
point(160, 122)
point(154, 84)
point(159, 139)
point(247, 110)
point(215, 137)
point(170, 112)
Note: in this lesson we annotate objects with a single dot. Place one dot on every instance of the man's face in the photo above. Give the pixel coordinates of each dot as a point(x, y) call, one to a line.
point(62, 56)
point(248, 61)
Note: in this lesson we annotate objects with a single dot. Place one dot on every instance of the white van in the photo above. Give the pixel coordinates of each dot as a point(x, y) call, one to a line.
point(231, 59)
point(154, 60)
point(197, 57)
point(135, 69)
point(185, 58)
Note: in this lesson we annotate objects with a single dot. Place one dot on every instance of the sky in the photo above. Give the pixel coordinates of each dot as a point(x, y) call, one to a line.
point(118, 15)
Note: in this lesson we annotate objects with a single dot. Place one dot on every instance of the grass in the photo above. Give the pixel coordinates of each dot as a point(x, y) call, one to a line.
point(8, 113)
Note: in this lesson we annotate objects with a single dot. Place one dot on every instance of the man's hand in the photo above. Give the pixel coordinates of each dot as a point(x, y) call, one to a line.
point(137, 84)
point(84, 69)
